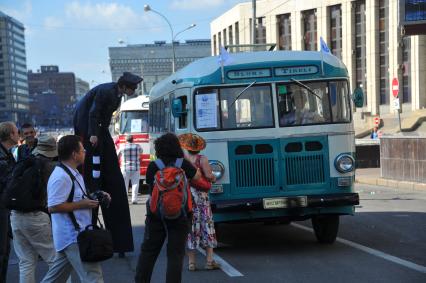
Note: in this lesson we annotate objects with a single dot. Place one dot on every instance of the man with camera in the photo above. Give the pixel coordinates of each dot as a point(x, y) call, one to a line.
point(60, 186)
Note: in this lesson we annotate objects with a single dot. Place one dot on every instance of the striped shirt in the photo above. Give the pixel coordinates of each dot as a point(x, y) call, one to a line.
point(129, 154)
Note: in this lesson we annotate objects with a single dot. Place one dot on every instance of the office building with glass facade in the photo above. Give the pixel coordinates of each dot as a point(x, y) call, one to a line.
point(14, 98)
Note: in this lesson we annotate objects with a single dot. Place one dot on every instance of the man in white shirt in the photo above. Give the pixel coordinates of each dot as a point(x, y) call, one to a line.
point(71, 154)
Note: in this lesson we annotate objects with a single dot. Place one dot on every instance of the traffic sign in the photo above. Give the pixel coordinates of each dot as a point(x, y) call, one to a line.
point(395, 87)
point(396, 103)
point(376, 121)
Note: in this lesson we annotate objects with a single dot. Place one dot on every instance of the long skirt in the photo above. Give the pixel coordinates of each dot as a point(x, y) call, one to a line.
point(117, 215)
point(202, 233)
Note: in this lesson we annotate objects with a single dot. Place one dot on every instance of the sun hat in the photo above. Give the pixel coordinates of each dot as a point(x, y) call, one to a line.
point(46, 146)
point(192, 142)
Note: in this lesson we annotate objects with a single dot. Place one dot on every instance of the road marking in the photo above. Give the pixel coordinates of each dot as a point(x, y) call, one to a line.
point(226, 267)
point(374, 252)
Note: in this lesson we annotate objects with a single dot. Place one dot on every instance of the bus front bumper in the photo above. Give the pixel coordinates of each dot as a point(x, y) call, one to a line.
point(312, 201)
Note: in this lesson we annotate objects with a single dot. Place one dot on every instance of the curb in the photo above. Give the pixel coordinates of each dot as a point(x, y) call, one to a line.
point(404, 185)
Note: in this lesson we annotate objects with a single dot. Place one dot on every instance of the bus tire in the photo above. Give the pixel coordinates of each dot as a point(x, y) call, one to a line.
point(326, 228)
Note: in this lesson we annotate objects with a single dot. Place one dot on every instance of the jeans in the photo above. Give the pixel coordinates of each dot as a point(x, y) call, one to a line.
point(4, 241)
point(134, 177)
point(66, 260)
point(154, 237)
point(32, 236)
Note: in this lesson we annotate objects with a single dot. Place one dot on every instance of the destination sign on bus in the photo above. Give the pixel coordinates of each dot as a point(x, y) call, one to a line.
point(299, 70)
point(247, 74)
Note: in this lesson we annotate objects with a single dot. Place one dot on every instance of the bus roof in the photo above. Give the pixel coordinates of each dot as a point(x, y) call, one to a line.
point(246, 67)
point(136, 103)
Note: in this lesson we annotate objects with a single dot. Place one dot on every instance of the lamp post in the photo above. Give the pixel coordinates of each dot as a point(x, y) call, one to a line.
point(148, 8)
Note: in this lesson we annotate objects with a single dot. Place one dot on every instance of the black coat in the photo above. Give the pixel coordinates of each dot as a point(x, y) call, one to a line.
point(94, 110)
point(7, 162)
point(92, 117)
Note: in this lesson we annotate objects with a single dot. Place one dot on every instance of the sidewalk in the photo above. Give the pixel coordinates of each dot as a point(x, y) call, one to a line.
point(371, 176)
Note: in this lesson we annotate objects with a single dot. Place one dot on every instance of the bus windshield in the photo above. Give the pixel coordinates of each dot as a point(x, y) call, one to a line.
point(133, 122)
point(313, 103)
point(224, 109)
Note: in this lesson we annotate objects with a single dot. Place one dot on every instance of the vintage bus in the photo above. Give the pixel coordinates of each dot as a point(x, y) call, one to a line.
point(279, 132)
point(132, 118)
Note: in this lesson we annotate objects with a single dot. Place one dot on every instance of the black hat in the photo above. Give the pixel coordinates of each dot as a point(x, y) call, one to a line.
point(130, 79)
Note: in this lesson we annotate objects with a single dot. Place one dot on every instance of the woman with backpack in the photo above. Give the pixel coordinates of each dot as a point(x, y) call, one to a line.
point(168, 177)
point(202, 232)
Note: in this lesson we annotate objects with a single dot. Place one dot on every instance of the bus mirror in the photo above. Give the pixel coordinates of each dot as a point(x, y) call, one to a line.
point(177, 108)
point(358, 97)
point(282, 90)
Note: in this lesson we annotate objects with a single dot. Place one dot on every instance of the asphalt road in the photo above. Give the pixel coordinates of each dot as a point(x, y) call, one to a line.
point(383, 242)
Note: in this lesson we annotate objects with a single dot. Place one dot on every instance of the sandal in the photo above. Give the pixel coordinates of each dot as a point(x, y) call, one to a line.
point(192, 267)
point(212, 265)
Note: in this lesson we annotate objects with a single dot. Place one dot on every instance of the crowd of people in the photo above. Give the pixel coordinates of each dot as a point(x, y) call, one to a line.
point(47, 188)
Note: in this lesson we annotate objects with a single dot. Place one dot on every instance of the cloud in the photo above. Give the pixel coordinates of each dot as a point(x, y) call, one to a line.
point(196, 4)
point(22, 13)
point(52, 23)
point(104, 15)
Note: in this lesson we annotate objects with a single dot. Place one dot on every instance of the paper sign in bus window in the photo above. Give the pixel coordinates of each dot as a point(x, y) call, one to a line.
point(206, 110)
point(136, 125)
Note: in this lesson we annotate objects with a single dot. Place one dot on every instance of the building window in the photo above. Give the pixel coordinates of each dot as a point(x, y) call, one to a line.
point(284, 31)
point(224, 37)
point(230, 36)
point(309, 30)
point(260, 31)
point(219, 36)
point(214, 45)
point(237, 33)
point(336, 30)
point(360, 47)
point(406, 78)
point(383, 51)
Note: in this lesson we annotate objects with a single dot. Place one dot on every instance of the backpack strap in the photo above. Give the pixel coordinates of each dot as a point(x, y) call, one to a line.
point(160, 164)
point(178, 162)
point(71, 195)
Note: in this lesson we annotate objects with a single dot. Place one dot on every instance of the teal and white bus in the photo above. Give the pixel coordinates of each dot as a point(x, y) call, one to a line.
point(279, 132)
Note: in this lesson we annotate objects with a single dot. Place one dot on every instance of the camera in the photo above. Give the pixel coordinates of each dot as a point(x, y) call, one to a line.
point(101, 198)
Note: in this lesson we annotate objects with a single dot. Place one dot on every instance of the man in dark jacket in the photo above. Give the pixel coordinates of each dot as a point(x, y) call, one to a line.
point(92, 118)
point(28, 135)
point(9, 137)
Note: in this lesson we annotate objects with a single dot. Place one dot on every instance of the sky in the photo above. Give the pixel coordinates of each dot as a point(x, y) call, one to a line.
point(75, 35)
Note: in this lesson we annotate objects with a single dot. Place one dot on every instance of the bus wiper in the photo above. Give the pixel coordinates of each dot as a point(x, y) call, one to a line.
point(306, 87)
point(238, 96)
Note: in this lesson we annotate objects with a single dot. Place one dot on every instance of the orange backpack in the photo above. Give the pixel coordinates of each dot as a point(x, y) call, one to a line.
point(171, 195)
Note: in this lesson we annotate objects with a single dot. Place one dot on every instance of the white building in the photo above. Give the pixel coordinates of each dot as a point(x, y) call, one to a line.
point(365, 34)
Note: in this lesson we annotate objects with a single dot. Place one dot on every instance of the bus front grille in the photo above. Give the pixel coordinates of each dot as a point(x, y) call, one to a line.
point(308, 169)
point(256, 172)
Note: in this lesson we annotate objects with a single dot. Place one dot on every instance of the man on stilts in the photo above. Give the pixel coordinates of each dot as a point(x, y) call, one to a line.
point(92, 118)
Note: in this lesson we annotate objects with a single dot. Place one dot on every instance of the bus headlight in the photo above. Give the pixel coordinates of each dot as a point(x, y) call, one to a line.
point(217, 168)
point(344, 163)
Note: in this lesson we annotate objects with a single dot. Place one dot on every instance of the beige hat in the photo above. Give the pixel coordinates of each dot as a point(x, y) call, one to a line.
point(46, 146)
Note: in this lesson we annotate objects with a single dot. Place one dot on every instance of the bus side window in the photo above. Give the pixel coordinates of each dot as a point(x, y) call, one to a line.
point(183, 120)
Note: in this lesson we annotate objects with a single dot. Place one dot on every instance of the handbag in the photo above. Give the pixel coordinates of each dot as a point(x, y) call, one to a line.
point(202, 184)
point(94, 242)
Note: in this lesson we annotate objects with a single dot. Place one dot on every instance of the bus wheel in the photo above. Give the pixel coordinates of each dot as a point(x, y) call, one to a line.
point(326, 227)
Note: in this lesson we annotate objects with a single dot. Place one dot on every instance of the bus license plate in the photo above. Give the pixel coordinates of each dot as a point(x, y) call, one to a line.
point(273, 203)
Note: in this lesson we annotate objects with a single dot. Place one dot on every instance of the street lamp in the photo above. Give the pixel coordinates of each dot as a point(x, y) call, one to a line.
point(148, 8)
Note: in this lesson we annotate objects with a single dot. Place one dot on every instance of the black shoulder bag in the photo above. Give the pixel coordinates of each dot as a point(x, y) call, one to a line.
point(94, 242)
